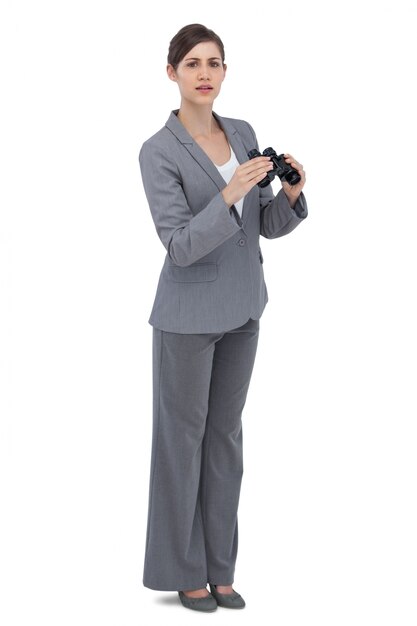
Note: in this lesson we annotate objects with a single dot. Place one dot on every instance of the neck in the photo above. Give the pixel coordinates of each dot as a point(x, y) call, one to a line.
point(199, 121)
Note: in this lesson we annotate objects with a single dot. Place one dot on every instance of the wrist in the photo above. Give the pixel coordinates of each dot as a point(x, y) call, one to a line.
point(226, 197)
point(292, 201)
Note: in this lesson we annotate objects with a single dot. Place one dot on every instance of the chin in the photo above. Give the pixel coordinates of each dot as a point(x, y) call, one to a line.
point(206, 98)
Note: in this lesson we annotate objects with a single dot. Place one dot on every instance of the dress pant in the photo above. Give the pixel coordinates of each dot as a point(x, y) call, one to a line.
point(200, 384)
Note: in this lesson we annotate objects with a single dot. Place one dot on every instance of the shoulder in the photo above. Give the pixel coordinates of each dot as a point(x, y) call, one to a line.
point(157, 143)
point(159, 154)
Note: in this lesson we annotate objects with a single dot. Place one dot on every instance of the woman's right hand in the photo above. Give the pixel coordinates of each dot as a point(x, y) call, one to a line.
point(246, 176)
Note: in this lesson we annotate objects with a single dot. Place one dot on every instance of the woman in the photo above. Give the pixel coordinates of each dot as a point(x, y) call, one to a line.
point(208, 212)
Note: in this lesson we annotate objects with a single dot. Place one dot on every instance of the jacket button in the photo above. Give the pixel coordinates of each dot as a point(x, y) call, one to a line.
point(241, 242)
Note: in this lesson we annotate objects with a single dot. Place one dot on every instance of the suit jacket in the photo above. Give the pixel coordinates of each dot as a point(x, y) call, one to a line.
point(212, 278)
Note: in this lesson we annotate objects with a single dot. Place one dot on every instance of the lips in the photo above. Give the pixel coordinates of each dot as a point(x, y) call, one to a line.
point(204, 87)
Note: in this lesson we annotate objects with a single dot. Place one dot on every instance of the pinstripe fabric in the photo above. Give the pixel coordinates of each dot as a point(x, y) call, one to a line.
point(210, 296)
point(212, 278)
point(200, 384)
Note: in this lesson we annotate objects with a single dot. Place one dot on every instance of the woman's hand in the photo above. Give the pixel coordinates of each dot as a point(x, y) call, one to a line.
point(293, 191)
point(246, 176)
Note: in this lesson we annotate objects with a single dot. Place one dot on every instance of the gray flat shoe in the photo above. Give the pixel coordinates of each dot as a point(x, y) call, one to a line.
point(228, 600)
point(207, 604)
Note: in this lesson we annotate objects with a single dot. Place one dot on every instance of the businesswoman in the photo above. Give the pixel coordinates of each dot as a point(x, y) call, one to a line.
point(209, 213)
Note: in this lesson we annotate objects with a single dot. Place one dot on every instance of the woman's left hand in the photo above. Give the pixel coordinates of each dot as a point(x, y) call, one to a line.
point(293, 191)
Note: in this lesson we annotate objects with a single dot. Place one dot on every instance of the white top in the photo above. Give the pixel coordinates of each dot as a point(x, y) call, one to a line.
point(227, 170)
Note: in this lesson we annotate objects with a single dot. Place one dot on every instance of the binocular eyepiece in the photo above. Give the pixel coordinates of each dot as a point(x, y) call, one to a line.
point(281, 168)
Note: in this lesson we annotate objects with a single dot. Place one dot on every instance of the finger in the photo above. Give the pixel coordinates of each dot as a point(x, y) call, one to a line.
point(290, 159)
point(254, 179)
point(261, 170)
point(260, 177)
point(257, 160)
point(297, 166)
point(254, 165)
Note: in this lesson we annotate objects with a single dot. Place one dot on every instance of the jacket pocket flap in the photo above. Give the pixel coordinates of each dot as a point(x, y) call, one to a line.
point(196, 273)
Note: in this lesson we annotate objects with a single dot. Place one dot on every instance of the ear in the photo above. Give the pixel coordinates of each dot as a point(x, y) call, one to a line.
point(171, 72)
point(224, 69)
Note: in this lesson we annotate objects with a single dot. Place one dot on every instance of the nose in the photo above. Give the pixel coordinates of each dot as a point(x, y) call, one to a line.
point(204, 72)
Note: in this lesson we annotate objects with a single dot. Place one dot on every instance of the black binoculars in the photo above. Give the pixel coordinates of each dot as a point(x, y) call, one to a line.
point(281, 168)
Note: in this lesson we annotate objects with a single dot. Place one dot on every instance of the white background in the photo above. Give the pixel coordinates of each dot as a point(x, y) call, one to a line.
point(328, 511)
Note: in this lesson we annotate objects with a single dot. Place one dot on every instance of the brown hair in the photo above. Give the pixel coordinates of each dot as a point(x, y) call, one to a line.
point(188, 37)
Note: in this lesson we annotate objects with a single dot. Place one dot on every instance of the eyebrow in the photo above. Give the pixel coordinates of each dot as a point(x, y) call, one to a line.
point(197, 59)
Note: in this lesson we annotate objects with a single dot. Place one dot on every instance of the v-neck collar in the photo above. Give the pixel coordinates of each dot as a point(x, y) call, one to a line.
point(233, 137)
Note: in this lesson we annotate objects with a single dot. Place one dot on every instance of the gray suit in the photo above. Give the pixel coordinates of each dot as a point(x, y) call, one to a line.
point(210, 296)
point(212, 279)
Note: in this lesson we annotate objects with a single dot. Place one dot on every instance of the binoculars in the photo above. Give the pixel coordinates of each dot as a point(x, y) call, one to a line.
point(281, 168)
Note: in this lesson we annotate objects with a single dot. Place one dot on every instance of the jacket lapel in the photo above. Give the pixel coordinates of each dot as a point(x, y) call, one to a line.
point(234, 138)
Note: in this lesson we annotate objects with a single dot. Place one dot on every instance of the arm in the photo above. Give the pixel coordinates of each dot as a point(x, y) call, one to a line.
point(278, 218)
point(186, 237)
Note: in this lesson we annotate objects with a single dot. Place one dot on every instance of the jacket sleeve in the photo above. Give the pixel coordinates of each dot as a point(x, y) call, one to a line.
point(186, 237)
point(277, 217)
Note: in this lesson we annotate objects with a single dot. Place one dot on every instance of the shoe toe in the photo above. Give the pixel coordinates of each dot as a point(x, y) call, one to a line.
point(228, 600)
point(208, 603)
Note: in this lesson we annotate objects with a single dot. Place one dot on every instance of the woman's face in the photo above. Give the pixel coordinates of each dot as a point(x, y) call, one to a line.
point(202, 65)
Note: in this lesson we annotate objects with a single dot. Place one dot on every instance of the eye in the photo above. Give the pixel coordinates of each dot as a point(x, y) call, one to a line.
point(192, 64)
